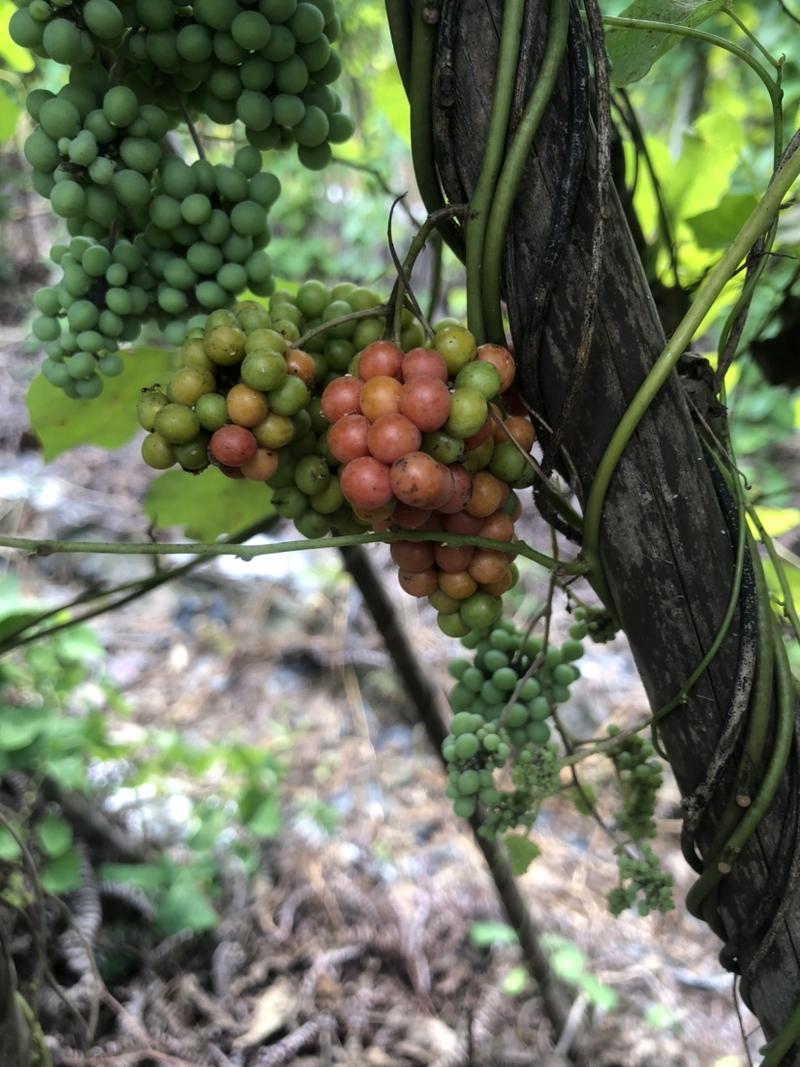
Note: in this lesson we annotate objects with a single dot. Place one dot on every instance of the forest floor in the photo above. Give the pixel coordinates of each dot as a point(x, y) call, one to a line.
point(363, 938)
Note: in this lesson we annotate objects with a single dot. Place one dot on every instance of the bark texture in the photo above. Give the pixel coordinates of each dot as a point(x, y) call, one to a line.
point(667, 548)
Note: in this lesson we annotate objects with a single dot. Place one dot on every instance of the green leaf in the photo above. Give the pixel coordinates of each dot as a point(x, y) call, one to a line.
point(717, 228)
point(54, 835)
point(20, 726)
point(15, 57)
point(110, 422)
point(9, 112)
point(149, 877)
point(603, 997)
point(266, 819)
point(206, 505)
point(69, 771)
point(63, 874)
point(515, 982)
point(521, 852)
point(568, 962)
point(487, 934)
point(633, 52)
point(185, 906)
point(9, 849)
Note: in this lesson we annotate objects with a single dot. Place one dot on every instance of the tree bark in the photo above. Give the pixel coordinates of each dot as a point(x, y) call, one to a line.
point(667, 548)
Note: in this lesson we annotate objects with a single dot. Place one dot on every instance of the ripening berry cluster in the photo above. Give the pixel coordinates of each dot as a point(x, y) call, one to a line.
point(239, 398)
point(501, 701)
point(268, 64)
point(642, 881)
point(422, 447)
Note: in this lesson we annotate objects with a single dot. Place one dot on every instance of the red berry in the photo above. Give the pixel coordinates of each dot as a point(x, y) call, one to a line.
point(424, 363)
point(347, 438)
point(341, 397)
point(381, 358)
point(426, 401)
point(365, 483)
point(232, 445)
point(392, 436)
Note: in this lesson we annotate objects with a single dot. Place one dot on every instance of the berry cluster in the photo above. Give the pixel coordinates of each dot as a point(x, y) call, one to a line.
point(501, 701)
point(642, 878)
point(269, 64)
point(422, 448)
point(155, 238)
point(640, 779)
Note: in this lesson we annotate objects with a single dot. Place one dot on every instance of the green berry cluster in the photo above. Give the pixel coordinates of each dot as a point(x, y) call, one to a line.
point(268, 64)
point(640, 778)
point(641, 879)
point(502, 700)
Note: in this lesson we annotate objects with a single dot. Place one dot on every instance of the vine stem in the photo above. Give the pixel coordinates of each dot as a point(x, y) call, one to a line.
point(758, 221)
point(379, 312)
point(195, 136)
point(250, 552)
point(772, 86)
point(480, 202)
point(511, 174)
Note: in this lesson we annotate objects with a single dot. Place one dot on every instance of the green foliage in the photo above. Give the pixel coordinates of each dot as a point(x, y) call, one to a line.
point(51, 727)
point(633, 51)
point(207, 505)
point(488, 934)
point(570, 964)
point(642, 881)
point(521, 852)
point(62, 424)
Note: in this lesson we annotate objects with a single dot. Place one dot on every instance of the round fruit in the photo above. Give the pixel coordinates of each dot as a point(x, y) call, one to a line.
point(503, 362)
point(232, 446)
point(380, 396)
point(177, 424)
point(365, 483)
point(419, 480)
point(341, 397)
point(419, 585)
point(380, 358)
point(457, 347)
point(426, 401)
point(413, 557)
point(392, 436)
point(424, 363)
point(246, 406)
point(348, 437)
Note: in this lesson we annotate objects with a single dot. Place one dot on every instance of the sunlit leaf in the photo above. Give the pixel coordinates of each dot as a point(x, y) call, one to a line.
point(206, 505)
point(515, 982)
point(14, 57)
point(717, 228)
point(63, 874)
point(487, 934)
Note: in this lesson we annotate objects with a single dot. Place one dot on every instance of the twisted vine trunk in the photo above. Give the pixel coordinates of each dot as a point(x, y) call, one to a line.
point(667, 546)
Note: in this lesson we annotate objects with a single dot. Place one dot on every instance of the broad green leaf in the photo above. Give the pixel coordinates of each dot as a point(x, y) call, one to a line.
point(778, 521)
point(717, 228)
point(206, 505)
point(63, 874)
point(266, 819)
point(521, 852)
point(603, 997)
point(54, 835)
point(486, 934)
point(69, 771)
point(9, 112)
point(568, 962)
point(16, 58)
point(110, 421)
point(390, 102)
point(77, 644)
point(9, 849)
point(185, 906)
point(633, 52)
point(20, 726)
point(515, 982)
point(149, 877)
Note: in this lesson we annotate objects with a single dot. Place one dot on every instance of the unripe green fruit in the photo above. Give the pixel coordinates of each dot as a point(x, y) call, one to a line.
point(177, 424)
point(157, 452)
